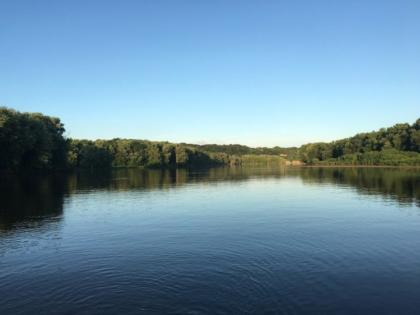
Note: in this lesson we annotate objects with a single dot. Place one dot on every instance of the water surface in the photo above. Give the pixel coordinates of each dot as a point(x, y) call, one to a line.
point(218, 241)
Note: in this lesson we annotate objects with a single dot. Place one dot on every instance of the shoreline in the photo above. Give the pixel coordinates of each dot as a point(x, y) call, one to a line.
point(359, 166)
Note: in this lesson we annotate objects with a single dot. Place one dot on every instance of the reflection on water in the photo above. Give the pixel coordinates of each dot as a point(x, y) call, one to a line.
point(39, 197)
point(216, 241)
point(31, 198)
point(402, 185)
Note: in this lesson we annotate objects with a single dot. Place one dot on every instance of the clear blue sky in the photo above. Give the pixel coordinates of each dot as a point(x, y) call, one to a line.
point(250, 72)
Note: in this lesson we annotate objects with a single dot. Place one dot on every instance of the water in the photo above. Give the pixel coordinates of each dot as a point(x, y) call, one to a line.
point(221, 241)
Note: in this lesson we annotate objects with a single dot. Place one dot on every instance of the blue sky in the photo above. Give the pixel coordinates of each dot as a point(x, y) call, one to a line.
point(251, 72)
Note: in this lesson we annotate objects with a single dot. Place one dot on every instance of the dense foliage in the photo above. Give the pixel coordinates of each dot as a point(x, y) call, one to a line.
point(135, 153)
point(33, 140)
point(388, 146)
point(239, 150)
point(390, 157)
point(142, 153)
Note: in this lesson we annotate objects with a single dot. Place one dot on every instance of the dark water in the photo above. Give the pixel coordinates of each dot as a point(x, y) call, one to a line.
point(222, 241)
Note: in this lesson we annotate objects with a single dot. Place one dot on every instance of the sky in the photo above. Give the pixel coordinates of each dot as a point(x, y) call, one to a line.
point(259, 73)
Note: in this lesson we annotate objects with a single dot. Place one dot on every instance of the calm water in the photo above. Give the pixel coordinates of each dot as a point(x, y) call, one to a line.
point(221, 241)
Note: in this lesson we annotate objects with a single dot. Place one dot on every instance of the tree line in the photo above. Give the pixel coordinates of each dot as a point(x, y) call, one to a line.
point(136, 153)
point(36, 141)
point(397, 145)
point(31, 140)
